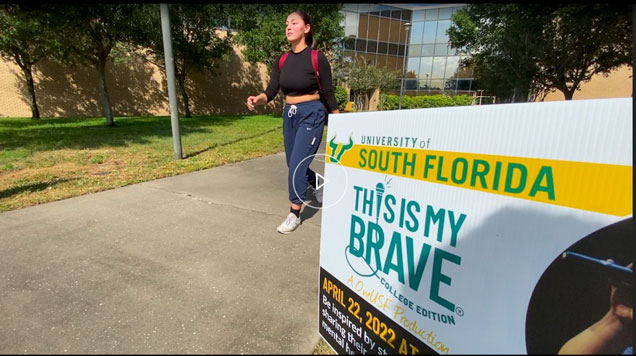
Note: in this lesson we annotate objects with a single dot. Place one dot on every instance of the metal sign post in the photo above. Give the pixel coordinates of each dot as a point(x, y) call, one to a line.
point(172, 94)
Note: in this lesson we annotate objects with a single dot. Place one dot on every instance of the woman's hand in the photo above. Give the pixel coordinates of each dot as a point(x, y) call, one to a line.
point(251, 102)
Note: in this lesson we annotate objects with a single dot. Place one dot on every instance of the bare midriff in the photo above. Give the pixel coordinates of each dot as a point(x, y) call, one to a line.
point(301, 98)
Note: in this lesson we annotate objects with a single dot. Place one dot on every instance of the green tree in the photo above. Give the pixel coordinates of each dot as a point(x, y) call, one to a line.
point(196, 46)
point(25, 40)
point(364, 79)
point(261, 28)
point(583, 40)
point(90, 33)
point(524, 50)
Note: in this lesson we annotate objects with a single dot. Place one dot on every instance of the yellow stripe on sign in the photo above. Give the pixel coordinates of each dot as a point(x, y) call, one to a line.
point(602, 188)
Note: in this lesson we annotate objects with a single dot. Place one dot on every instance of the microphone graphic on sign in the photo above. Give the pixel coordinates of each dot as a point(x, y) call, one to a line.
point(379, 192)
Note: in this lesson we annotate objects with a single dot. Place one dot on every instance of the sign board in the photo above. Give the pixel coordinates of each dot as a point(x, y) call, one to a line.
point(460, 229)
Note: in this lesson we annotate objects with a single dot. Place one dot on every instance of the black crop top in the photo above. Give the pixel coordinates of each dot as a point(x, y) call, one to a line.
point(297, 78)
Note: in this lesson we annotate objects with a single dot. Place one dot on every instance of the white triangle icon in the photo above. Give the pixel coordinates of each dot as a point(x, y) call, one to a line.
point(322, 181)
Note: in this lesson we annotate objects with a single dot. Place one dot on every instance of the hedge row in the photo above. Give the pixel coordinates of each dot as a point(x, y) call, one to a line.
point(391, 102)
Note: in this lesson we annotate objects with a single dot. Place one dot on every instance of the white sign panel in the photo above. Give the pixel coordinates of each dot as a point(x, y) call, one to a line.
point(482, 229)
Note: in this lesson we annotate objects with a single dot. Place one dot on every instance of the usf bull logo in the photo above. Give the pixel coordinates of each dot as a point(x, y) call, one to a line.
point(338, 149)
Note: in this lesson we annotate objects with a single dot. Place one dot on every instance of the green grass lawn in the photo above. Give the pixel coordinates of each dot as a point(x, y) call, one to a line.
point(57, 158)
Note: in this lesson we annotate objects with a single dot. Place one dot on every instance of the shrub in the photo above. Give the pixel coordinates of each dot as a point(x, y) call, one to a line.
point(391, 102)
point(341, 97)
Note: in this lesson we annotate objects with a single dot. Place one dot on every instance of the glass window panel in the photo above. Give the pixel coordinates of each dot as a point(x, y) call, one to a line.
point(396, 14)
point(351, 24)
point(414, 50)
point(406, 15)
point(439, 64)
point(441, 49)
point(452, 64)
point(445, 13)
point(361, 45)
point(426, 63)
point(384, 29)
point(428, 50)
point(453, 51)
point(401, 48)
point(394, 33)
point(386, 13)
point(416, 33)
point(375, 13)
point(432, 14)
point(436, 84)
point(350, 43)
point(442, 26)
point(374, 23)
point(372, 46)
point(423, 84)
point(412, 67)
point(463, 84)
point(418, 15)
point(410, 84)
point(383, 47)
point(393, 47)
point(463, 71)
point(430, 28)
point(450, 84)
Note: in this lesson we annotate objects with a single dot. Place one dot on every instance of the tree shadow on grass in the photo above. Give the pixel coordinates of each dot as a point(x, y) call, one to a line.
point(81, 133)
point(215, 145)
point(33, 187)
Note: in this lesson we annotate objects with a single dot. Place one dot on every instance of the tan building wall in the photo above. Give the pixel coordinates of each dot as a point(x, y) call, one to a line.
point(136, 87)
point(618, 84)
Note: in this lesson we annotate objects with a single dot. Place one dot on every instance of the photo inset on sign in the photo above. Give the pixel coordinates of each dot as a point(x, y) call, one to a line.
point(582, 303)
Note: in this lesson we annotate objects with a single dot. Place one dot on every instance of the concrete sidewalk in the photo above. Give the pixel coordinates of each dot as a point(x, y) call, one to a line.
point(186, 264)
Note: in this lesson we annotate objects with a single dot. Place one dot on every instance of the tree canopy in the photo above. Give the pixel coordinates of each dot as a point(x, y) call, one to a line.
point(261, 28)
point(520, 51)
point(196, 46)
point(25, 40)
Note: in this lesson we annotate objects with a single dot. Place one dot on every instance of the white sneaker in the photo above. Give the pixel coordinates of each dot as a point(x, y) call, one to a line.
point(290, 224)
point(318, 192)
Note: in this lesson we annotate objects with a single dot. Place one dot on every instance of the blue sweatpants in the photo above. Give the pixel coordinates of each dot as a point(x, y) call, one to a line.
point(303, 125)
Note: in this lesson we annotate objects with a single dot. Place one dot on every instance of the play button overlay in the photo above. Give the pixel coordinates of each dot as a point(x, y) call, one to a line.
point(332, 193)
point(322, 180)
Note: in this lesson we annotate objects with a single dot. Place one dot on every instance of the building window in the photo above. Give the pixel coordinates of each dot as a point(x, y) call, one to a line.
point(430, 28)
point(428, 50)
point(442, 27)
point(414, 50)
point(432, 14)
point(445, 13)
point(372, 46)
point(361, 45)
point(383, 47)
point(426, 65)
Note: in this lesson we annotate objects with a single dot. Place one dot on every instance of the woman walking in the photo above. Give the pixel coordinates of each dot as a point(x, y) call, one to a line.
point(303, 114)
